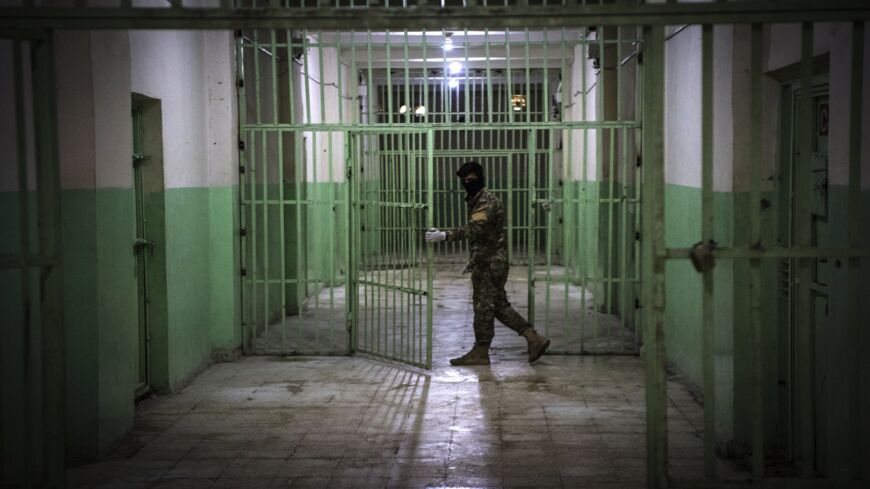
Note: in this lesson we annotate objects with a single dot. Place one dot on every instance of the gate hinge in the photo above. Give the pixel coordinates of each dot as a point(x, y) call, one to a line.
point(243, 232)
point(240, 83)
point(241, 145)
point(241, 168)
point(244, 272)
point(637, 303)
point(637, 235)
point(638, 161)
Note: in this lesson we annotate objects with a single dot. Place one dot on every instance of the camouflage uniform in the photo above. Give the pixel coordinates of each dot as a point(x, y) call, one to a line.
point(488, 263)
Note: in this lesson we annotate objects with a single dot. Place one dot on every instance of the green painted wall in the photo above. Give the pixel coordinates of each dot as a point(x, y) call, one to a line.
point(733, 334)
point(201, 277)
point(100, 306)
point(100, 318)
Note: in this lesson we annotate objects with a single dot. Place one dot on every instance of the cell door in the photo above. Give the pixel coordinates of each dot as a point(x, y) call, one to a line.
point(142, 245)
point(823, 270)
point(391, 195)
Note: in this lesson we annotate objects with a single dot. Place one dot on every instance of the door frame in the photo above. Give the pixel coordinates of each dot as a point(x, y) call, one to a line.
point(355, 158)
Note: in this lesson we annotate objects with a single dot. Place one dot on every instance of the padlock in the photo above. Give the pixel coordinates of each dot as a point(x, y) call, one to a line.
point(702, 256)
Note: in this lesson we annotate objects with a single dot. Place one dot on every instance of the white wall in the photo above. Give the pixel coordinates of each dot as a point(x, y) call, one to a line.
point(582, 80)
point(322, 80)
point(783, 49)
point(168, 65)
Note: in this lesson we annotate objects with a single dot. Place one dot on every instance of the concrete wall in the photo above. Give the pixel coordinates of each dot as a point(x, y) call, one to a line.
point(192, 74)
point(97, 73)
point(731, 223)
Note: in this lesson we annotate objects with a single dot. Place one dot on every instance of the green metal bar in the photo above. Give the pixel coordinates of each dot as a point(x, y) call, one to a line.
point(300, 165)
point(253, 160)
point(265, 210)
point(393, 287)
point(638, 192)
point(756, 73)
point(653, 263)
point(244, 207)
point(430, 218)
point(856, 99)
point(387, 128)
point(305, 53)
point(799, 252)
point(354, 245)
point(531, 143)
point(52, 352)
point(412, 233)
point(24, 256)
point(708, 344)
point(489, 99)
point(389, 82)
point(428, 17)
point(803, 238)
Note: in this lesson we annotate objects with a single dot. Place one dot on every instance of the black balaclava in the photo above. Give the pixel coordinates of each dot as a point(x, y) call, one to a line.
point(474, 186)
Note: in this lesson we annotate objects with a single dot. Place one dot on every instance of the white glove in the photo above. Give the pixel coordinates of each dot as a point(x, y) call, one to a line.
point(433, 236)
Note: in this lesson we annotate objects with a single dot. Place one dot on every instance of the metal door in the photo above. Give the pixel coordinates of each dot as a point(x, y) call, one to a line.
point(390, 292)
point(142, 246)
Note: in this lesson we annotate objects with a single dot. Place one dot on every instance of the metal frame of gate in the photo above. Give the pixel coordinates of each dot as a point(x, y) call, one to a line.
point(19, 22)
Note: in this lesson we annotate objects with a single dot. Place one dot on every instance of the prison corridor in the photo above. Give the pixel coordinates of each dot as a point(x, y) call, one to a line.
point(215, 270)
point(355, 422)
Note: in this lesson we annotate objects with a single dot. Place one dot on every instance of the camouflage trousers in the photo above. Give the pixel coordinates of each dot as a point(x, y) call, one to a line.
point(491, 303)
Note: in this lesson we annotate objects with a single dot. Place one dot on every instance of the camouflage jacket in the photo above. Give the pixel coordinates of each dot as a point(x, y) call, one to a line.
point(485, 229)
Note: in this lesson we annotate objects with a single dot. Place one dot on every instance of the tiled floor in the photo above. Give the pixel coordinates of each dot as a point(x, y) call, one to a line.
point(329, 422)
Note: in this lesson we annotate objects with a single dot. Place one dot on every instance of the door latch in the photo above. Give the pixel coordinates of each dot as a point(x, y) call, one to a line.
point(140, 243)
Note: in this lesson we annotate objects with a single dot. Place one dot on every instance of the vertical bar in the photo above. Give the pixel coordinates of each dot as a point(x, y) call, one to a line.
point(856, 104)
point(489, 83)
point(653, 257)
point(755, 71)
point(301, 165)
point(532, 146)
point(51, 279)
point(24, 251)
point(243, 197)
point(803, 239)
point(708, 366)
point(430, 145)
point(265, 203)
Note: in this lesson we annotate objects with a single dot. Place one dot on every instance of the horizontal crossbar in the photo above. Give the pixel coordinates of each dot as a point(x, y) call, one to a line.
point(516, 16)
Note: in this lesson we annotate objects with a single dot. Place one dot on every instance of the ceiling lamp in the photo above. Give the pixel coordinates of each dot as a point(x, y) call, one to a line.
point(454, 67)
point(453, 83)
point(447, 45)
point(403, 109)
point(420, 110)
point(519, 102)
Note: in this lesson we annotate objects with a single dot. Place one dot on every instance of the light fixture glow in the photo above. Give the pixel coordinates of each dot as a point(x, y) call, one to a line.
point(448, 44)
point(420, 110)
point(403, 109)
point(453, 83)
point(518, 102)
point(454, 67)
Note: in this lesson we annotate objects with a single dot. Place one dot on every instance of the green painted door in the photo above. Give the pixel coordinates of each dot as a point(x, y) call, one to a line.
point(391, 195)
point(142, 247)
point(823, 269)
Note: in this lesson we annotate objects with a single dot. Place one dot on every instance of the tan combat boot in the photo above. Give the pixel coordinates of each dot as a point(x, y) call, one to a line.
point(537, 344)
point(479, 355)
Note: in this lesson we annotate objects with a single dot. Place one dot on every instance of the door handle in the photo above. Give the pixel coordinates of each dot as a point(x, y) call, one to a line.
point(140, 243)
